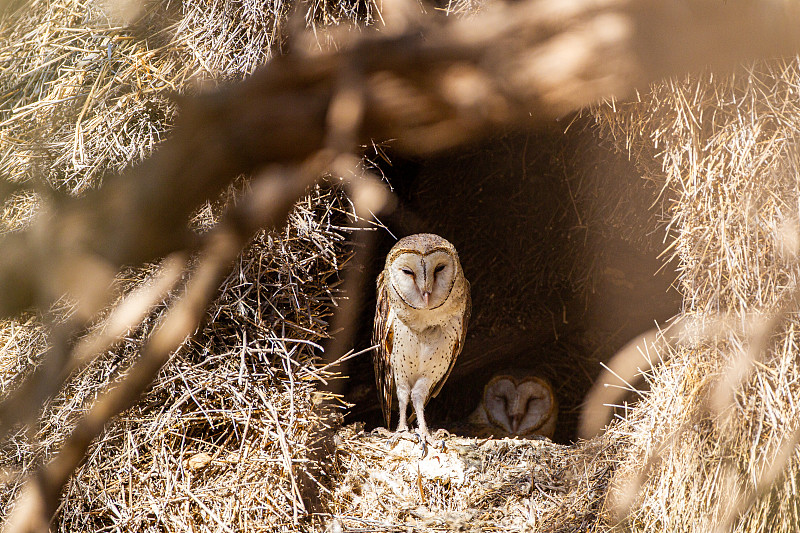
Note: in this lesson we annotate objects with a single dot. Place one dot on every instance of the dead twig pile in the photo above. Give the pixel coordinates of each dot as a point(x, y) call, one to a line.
point(302, 104)
point(85, 95)
point(473, 485)
point(234, 434)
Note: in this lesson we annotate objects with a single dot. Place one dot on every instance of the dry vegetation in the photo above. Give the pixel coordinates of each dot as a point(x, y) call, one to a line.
point(236, 435)
point(721, 417)
point(229, 430)
point(472, 485)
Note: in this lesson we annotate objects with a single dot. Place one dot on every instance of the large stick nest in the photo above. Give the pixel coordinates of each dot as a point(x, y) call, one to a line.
point(235, 434)
point(229, 431)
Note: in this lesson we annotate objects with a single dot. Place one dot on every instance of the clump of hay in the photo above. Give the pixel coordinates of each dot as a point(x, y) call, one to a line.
point(231, 431)
point(721, 416)
point(84, 93)
point(19, 341)
point(81, 95)
point(233, 434)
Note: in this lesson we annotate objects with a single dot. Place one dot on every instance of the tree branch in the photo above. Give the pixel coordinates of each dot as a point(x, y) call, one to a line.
point(437, 85)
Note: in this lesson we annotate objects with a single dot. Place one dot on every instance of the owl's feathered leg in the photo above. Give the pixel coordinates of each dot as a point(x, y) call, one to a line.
point(418, 396)
point(402, 401)
point(402, 426)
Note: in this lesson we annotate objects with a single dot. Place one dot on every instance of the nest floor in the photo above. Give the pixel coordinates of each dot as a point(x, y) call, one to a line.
point(465, 484)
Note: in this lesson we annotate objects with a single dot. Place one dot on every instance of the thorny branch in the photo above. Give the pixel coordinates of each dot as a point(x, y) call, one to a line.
point(437, 84)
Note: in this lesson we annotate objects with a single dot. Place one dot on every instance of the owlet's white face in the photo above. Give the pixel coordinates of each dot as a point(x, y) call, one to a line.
point(518, 408)
point(423, 281)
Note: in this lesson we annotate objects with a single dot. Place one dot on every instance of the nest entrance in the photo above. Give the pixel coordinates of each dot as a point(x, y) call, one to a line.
point(559, 237)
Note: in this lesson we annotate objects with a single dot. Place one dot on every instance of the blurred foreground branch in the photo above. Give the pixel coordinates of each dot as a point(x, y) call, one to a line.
point(436, 85)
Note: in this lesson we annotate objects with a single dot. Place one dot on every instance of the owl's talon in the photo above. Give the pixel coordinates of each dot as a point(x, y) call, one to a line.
point(423, 443)
point(394, 438)
point(392, 441)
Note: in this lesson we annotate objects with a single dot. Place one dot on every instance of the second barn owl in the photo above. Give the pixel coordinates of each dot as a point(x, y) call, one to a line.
point(515, 406)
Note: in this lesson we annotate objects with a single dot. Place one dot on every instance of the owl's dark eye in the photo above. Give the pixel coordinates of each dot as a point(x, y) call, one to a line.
point(438, 269)
point(407, 271)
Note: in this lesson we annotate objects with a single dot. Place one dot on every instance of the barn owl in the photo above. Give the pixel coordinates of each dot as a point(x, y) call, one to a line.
point(515, 406)
point(420, 323)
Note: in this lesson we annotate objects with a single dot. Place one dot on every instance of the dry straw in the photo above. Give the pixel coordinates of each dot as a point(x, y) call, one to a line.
point(720, 421)
point(472, 485)
point(234, 435)
point(228, 433)
point(227, 436)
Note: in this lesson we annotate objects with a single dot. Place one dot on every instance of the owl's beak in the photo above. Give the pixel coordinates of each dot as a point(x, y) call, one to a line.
point(425, 297)
point(515, 420)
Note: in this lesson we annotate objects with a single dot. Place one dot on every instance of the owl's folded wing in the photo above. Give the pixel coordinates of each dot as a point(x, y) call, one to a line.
point(383, 336)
